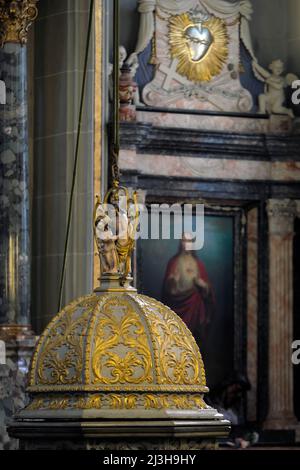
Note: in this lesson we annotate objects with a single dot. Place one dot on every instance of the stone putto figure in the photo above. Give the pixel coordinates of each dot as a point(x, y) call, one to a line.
point(272, 101)
point(133, 63)
point(110, 67)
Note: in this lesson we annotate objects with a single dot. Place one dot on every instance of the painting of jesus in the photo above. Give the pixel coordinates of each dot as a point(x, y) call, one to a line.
point(198, 285)
point(188, 291)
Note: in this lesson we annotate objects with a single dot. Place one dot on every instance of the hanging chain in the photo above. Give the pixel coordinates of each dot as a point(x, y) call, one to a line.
point(75, 166)
point(115, 147)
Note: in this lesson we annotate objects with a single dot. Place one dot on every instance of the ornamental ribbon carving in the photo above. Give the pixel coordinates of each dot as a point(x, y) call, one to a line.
point(16, 16)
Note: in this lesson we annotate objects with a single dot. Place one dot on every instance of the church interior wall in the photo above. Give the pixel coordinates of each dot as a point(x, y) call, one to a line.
point(240, 163)
point(56, 82)
point(274, 29)
point(270, 31)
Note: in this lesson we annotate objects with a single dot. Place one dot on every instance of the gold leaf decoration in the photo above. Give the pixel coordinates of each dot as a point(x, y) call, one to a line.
point(121, 352)
point(200, 48)
point(114, 401)
point(15, 19)
point(178, 359)
point(60, 352)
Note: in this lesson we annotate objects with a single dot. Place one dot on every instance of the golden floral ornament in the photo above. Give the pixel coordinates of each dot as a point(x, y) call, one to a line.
point(117, 342)
point(113, 353)
point(118, 401)
point(118, 359)
point(16, 16)
point(200, 46)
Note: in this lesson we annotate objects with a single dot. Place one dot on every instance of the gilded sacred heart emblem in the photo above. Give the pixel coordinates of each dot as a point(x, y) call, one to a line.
point(201, 47)
point(199, 39)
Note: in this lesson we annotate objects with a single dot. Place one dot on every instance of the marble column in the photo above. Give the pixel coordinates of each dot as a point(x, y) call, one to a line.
point(15, 19)
point(14, 200)
point(281, 215)
point(252, 308)
point(15, 329)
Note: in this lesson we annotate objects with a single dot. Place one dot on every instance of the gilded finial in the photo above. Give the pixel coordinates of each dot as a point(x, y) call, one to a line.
point(115, 224)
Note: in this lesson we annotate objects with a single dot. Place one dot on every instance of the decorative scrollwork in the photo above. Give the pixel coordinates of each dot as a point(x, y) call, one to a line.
point(121, 352)
point(61, 352)
point(120, 401)
point(117, 343)
point(15, 19)
point(177, 356)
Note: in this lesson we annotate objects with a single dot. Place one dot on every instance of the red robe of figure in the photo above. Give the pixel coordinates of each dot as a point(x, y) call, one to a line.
point(187, 291)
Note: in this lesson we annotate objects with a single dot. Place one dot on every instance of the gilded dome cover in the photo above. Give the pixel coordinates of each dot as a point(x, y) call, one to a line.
point(117, 351)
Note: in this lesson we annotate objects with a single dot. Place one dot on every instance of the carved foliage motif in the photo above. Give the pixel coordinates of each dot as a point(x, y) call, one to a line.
point(128, 342)
point(121, 352)
point(15, 19)
point(61, 349)
point(177, 355)
point(115, 401)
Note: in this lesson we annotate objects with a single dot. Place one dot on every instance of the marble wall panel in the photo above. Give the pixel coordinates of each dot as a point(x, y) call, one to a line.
point(252, 306)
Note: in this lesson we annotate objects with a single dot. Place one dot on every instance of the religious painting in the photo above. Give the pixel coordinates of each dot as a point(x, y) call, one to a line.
point(199, 286)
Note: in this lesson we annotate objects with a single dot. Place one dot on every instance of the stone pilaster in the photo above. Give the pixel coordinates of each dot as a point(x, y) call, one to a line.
point(252, 304)
point(15, 331)
point(15, 19)
point(281, 215)
point(14, 182)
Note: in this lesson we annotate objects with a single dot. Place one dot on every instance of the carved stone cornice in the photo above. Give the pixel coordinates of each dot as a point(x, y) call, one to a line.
point(16, 16)
point(282, 213)
point(153, 139)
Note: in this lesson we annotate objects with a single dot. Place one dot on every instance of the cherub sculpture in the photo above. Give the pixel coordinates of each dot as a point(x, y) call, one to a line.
point(133, 63)
point(122, 58)
point(272, 101)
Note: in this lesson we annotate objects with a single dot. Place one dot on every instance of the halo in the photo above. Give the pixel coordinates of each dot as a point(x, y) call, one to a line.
point(213, 60)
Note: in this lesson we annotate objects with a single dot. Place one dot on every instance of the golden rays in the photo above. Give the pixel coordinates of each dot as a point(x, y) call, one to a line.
point(200, 47)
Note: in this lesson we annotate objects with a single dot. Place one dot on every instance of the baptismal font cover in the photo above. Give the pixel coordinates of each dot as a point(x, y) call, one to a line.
point(117, 369)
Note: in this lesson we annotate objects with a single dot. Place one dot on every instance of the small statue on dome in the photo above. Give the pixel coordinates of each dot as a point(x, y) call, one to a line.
point(115, 225)
point(105, 240)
